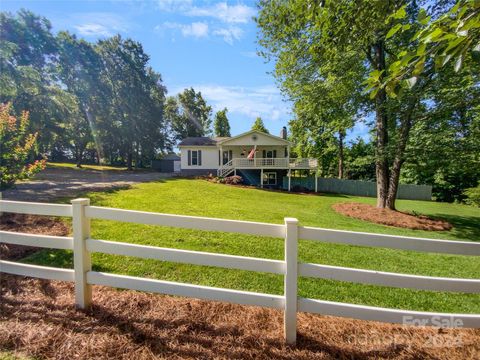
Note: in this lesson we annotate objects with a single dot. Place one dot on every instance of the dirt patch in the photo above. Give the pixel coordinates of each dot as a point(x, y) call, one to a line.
point(34, 224)
point(38, 318)
point(389, 217)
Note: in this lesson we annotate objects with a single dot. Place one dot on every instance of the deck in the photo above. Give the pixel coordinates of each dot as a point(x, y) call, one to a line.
point(268, 163)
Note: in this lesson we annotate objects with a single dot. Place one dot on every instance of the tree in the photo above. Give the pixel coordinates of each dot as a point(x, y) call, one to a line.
point(16, 147)
point(135, 113)
point(221, 125)
point(189, 115)
point(79, 67)
point(451, 37)
point(311, 40)
point(259, 126)
point(27, 51)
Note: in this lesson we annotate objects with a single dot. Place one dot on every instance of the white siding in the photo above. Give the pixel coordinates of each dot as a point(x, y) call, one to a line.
point(209, 157)
point(262, 139)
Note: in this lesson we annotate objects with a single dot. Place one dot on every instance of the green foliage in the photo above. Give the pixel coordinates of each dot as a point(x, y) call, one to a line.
point(325, 54)
point(16, 147)
point(221, 125)
point(360, 161)
point(93, 102)
point(259, 125)
point(473, 196)
point(445, 143)
point(188, 115)
point(450, 38)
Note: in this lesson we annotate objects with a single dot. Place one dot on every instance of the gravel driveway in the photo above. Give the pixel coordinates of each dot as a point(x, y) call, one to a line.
point(59, 183)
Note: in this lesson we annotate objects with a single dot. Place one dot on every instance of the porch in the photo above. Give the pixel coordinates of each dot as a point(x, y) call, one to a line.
point(259, 171)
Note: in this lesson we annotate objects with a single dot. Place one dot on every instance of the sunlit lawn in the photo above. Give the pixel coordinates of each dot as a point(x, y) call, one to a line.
point(201, 198)
point(57, 165)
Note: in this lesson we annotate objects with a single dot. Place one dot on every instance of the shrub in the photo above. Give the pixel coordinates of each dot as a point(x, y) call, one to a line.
point(16, 146)
point(473, 196)
point(234, 180)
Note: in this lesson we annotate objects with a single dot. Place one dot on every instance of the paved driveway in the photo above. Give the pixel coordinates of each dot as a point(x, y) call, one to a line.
point(59, 183)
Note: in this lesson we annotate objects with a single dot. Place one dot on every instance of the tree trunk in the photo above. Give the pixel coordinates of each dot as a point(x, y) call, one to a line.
point(129, 160)
point(381, 156)
point(399, 156)
point(341, 137)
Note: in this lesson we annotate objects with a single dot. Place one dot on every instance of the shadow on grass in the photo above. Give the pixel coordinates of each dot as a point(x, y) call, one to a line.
point(464, 227)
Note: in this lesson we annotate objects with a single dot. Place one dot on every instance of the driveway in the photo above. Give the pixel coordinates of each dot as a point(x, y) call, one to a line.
point(55, 183)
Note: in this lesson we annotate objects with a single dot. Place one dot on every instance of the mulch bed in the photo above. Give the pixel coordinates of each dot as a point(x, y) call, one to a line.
point(34, 224)
point(37, 318)
point(389, 217)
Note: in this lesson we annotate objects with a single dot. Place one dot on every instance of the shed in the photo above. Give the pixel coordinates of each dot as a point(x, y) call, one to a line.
point(167, 164)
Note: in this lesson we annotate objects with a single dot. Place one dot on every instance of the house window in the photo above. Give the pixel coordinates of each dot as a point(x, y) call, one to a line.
point(269, 178)
point(194, 157)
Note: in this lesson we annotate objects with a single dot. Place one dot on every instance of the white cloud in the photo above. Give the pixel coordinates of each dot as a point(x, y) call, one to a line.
point(93, 30)
point(222, 11)
point(174, 5)
point(229, 34)
point(99, 24)
point(196, 29)
point(263, 101)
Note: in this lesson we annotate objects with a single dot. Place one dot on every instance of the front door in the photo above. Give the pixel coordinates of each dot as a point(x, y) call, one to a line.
point(268, 156)
point(226, 157)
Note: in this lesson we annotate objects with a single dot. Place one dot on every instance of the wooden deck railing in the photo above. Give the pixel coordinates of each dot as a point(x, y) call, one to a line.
point(83, 245)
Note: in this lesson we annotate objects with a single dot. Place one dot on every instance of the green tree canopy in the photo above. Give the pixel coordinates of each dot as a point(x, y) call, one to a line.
point(189, 115)
point(221, 125)
point(259, 125)
point(312, 42)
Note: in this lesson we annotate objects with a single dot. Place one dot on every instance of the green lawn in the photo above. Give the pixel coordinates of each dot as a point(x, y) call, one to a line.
point(201, 198)
point(85, 167)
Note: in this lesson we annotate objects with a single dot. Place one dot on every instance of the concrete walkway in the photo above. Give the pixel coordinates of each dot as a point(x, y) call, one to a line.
point(54, 183)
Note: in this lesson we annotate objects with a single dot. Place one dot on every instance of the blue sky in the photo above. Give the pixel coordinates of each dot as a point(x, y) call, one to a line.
point(209, 45)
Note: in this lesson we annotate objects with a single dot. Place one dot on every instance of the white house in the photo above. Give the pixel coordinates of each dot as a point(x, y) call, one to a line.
point(261, 159)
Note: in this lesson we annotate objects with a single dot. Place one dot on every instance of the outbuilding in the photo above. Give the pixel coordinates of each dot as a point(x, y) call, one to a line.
point(170, 163)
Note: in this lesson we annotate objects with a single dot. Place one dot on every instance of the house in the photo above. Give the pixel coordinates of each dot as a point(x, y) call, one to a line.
point(261, 159)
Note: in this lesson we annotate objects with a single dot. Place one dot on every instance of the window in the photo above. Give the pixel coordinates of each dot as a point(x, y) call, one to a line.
point(195, 157)
point(269, 178)
point(269, 154)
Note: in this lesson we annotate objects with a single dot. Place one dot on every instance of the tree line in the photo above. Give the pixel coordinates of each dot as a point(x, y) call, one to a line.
point(92, 102)
point(409, 70)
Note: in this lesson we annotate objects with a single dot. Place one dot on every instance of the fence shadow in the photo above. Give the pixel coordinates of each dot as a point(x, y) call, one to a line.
point(130, 323)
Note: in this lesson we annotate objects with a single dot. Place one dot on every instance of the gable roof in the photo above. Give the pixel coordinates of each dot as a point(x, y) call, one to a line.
point(171, 156)
point(198, 141)
point(252, 132)
point(206, 141)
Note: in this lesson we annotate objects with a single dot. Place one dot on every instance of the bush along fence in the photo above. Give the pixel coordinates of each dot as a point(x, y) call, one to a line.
point(358, 187)
point(83, 245)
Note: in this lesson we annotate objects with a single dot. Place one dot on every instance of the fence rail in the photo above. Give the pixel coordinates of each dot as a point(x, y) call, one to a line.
point(83, 276)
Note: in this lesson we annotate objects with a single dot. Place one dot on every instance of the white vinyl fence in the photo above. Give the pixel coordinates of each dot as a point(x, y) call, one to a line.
point(83, 276)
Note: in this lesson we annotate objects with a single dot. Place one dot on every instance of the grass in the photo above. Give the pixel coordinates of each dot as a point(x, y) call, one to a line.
point(201, 198)
point(64, 165)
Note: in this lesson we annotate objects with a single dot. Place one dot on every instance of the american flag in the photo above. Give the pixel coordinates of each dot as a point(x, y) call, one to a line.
point(251, 154)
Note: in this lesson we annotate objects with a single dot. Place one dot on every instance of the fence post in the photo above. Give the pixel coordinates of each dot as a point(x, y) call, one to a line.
point(81, 257)
point(290, 281)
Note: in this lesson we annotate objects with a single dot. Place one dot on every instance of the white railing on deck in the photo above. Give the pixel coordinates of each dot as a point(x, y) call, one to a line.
point(83, 276)
point(266, 163)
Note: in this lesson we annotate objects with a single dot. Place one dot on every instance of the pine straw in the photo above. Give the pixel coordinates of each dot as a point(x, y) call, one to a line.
point(34, 224)
point(390, 217)
point(38, 319)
